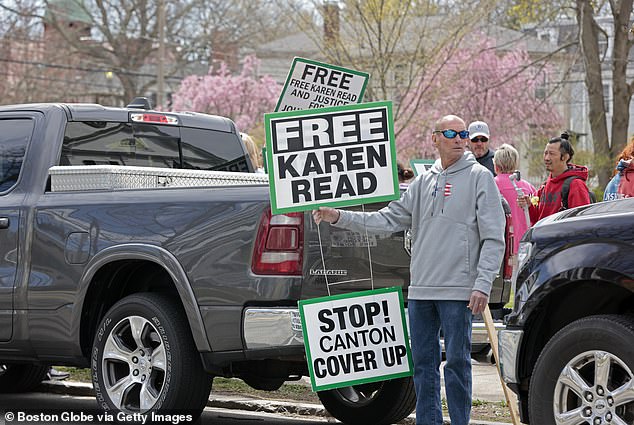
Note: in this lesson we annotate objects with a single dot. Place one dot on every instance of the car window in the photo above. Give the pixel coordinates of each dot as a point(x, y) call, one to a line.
point(205, 149)
point(115, 143)
point(151, 145)
point(15, 135)
point(156, 146)
point(97, 143)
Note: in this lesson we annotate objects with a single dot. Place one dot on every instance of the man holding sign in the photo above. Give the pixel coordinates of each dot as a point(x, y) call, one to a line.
point(457, 222)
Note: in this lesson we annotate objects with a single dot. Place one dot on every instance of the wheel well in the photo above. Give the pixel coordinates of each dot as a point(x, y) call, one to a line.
point(115, 281)
point(570, 302)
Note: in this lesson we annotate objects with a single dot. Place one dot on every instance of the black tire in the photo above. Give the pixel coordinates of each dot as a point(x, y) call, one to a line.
point(377, 403)
point(20, 378)
point(581, 372)
point(158, 372)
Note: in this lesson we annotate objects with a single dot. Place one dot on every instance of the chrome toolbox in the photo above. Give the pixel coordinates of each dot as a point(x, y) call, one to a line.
point(114, 177)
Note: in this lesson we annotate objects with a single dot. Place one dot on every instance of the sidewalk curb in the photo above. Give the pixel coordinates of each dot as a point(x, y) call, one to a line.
point(235, 402)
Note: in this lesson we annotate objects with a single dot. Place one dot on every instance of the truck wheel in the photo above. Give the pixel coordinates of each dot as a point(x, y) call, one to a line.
point(144, 359)
point(378, 403)
point(20, 378)
point(585, 374)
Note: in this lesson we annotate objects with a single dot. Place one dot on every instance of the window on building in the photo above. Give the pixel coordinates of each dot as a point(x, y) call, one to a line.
point(607, 98)
point(541, 87)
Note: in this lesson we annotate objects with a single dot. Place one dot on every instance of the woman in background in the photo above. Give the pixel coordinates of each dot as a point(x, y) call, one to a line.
point(252, 150)
point(505, 162)
point(623, 161)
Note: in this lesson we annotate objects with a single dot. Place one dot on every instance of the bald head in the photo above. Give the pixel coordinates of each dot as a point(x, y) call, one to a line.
point(441, 124)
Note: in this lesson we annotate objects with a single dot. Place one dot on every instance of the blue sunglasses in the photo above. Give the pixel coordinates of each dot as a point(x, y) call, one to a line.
point(450, 134)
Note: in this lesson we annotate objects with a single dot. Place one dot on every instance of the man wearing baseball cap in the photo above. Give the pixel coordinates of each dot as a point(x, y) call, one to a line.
point(479, 144)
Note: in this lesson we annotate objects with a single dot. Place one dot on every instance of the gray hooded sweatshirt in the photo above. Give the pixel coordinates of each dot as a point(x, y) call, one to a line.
point(457, 224)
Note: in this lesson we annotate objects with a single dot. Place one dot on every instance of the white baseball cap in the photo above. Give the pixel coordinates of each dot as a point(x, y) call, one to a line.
point(478, 128)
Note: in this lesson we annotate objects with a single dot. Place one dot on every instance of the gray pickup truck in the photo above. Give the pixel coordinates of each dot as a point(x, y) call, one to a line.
point(159, 285)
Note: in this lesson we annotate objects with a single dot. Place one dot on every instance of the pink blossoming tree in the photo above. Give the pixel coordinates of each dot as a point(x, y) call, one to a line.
point(244, 98)
point(478, 83)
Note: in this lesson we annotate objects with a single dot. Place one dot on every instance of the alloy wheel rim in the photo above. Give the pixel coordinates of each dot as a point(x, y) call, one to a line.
point(134, 365)
point(595, 388)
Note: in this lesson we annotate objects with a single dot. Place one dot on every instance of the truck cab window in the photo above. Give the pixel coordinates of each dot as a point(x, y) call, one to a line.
point(97, 143)
point(116, 143)
point(205, 149)
point(156, 146)
point(14, 138)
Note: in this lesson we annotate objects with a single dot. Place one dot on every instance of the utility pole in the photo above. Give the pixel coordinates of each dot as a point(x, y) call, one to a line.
point(160, 77)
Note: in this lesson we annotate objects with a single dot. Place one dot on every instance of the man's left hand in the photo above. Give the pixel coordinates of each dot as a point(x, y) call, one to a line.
point(478, 302)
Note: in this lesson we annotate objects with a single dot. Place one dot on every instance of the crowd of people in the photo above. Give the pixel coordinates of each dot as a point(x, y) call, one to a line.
point(457, 225)
point(454, 211)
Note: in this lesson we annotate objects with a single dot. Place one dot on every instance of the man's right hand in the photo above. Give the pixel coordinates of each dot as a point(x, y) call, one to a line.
point(524, 201)
point(328, 214)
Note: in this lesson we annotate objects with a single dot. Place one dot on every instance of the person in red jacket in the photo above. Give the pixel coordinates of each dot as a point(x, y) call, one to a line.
point(557, 157)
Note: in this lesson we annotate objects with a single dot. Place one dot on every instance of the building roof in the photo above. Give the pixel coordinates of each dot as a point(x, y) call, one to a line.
point(300, 44)
point(67, 10)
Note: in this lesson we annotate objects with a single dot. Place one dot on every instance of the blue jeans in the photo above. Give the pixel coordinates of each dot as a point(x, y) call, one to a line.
point(425, 320)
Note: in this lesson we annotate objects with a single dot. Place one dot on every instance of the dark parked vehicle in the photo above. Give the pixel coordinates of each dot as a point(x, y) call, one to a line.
point(161, 279)
point(141, 244)
point(568, 347)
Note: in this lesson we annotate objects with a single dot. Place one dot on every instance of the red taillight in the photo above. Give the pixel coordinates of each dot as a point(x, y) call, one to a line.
point(508, 249)
point(279, 246)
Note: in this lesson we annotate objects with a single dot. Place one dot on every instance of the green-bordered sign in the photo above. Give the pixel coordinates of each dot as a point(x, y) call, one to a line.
point(337, 156)
point(312, 84)
point(421, 165)
point(356, 338)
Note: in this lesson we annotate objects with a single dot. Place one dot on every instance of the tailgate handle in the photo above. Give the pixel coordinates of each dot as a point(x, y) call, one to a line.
point(4, 222)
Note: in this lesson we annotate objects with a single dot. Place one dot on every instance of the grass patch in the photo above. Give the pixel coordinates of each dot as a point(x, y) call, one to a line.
point(76, 373)
point(288, 391)
point(296, 391)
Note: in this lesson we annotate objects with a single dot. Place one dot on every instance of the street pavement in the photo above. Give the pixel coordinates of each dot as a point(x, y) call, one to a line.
point(486, 386)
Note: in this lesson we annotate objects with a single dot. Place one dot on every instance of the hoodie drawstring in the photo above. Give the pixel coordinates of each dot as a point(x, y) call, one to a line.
point(434, 195)
point(437, 193)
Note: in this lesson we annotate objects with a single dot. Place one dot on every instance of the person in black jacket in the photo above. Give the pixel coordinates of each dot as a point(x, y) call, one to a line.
point(479, 144)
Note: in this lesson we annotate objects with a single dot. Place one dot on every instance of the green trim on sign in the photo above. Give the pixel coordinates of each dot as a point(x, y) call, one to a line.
point(334, 204)
point(268, 146)
point(309, 358)
point(269, 117)
point(365, 75)
point(360, 381)
point(317, 111)
point(352, 295)
point(414, 162)
point(405, 332)
point(288, 80)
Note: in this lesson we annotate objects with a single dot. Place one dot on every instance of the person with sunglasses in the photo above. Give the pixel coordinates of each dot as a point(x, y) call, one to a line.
point(479, 144)
point(456, 218)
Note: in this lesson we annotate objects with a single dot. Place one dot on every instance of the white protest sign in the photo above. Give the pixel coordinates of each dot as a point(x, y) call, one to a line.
point(337, 156)
point(356, 338)
point(312, 84)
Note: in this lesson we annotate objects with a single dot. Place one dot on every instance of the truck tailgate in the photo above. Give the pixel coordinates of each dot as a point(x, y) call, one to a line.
point(347, 260)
